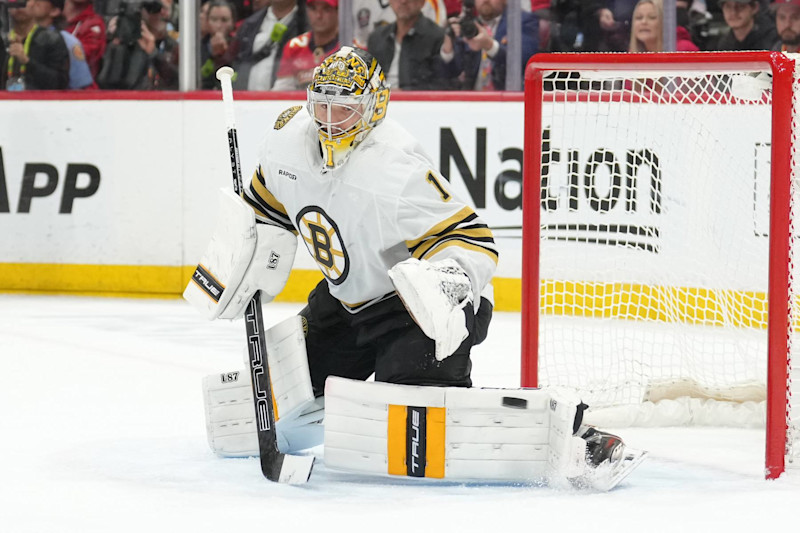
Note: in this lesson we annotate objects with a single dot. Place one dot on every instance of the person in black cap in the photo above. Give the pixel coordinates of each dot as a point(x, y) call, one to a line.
point(747, 31)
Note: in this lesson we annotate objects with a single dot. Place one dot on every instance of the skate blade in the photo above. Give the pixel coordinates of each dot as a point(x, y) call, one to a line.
point(606, 477)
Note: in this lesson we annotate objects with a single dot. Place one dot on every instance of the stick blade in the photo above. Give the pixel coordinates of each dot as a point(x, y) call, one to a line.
point(282, 467)
point(296, 469)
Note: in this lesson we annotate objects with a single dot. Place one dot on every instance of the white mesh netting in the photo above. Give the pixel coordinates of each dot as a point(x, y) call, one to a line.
point(654, 251)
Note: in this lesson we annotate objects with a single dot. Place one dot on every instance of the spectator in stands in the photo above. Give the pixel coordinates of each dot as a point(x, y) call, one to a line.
point(746, 32)
point(622, 9)
point(214, 48)
point(692, 16)
point(3, 59)
point(245, 8)
point(565, 25)
point(476, 52)
point(647, 34)
point(369, 15)
point(37, 58)
point(165, 52)
point(306, 51)
point(541, 8)
point(47, 14)
point(89, 28)
point(787, 25)
point(202, 25)
point(602, 32)
point(143, 57)
point(408, 48)
point(258, 44)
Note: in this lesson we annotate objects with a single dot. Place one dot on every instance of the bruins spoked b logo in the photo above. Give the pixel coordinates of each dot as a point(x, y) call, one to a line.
point(323, 240)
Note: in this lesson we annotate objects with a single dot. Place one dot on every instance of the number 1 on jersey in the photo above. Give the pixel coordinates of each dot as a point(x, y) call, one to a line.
point(435, 182)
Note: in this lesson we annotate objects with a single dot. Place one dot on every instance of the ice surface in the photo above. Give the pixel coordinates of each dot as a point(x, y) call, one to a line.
point(102, 431)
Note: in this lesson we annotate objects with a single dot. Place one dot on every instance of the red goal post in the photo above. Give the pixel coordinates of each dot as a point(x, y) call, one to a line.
point(657, 226)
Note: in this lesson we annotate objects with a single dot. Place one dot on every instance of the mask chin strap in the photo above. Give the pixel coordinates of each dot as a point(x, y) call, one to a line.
point(336, 151)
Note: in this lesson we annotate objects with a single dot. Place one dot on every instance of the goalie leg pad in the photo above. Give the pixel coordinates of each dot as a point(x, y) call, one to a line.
point(242, 258)
point(464, 434)
point(451, 432)
point(230, 418)
point(228, 399)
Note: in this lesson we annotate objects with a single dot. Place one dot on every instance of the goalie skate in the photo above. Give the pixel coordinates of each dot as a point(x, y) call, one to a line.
point(608, 460)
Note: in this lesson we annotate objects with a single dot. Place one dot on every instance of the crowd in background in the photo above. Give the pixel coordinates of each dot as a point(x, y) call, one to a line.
point(421, 44)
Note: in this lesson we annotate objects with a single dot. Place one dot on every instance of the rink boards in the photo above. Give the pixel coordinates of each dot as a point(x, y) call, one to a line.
point(120, 195)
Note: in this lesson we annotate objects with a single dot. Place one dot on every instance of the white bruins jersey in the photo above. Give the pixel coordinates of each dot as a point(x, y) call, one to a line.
point(385, 204)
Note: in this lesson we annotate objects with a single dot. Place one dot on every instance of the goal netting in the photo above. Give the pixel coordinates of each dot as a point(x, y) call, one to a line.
point(657, 271)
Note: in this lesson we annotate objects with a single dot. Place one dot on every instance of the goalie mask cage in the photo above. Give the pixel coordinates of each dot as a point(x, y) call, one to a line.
point(657, 238)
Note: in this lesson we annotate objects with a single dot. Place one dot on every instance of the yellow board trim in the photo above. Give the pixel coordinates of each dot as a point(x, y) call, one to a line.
point(630, 301)
point(507, 294)
point(300, 283)
point(396, 440)
point(434, 444)
point(112, 280)
point(633, 301)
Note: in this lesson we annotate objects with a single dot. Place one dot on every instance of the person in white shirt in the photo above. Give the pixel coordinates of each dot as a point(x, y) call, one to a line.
point(260, 39)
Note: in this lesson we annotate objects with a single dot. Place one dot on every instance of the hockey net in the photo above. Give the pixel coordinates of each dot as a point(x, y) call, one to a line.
point(657, 247)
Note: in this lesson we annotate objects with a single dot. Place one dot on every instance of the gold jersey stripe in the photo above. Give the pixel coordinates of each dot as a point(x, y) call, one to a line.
point(265, 196)
point(482, 234)
point(255, 206)
point(438, 229)
point(492, 254)
point(270, 217)
point(396, 440)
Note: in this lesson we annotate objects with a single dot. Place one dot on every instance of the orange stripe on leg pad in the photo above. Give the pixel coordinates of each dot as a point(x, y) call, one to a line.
point(435, 445)
point(396, 440)
point(427, 435)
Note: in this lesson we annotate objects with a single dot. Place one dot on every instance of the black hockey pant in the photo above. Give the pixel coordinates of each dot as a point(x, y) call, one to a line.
point(383, 339)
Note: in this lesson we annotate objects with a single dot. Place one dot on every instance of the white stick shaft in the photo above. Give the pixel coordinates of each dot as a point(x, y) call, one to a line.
point(224, 75)
point(275, 465)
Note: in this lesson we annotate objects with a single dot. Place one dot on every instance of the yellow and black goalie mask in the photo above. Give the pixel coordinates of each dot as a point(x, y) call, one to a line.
point(347, 97)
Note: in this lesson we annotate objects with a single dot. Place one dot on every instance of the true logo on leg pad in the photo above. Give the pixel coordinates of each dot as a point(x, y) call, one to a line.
point(416, 446)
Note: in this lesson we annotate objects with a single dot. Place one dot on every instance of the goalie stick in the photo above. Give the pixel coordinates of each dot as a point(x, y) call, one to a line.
point(276, 466)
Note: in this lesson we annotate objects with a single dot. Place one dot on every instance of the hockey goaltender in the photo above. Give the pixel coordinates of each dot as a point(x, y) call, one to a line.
point(406, 294)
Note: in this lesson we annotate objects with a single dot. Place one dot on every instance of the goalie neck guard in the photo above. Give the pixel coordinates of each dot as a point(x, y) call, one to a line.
point(347, 97)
